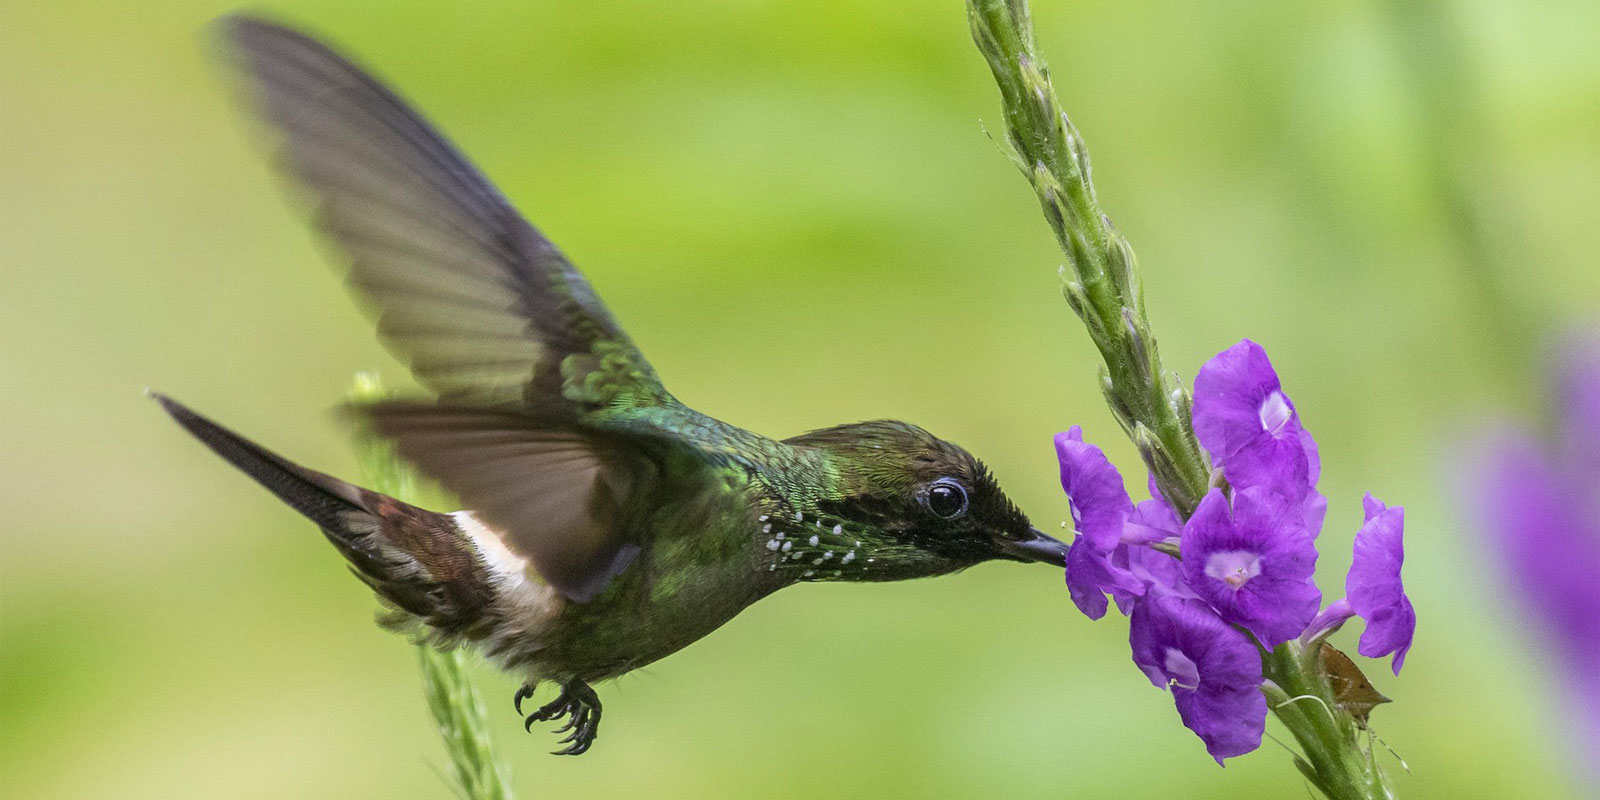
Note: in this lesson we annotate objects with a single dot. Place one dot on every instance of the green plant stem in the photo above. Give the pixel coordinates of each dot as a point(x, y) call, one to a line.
point(1101, 283)
point(459, 712)
point(1101, 279)
point(456, 706)
point(1302, 698)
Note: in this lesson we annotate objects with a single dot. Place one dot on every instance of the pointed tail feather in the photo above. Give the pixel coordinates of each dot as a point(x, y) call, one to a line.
point(322, 498)
point(419, 560)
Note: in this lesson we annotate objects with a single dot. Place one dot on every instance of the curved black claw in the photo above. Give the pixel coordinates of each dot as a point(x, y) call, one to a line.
point(523, 694)
point(579, 704)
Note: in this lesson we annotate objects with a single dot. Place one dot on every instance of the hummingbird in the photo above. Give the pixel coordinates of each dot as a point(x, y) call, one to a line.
point(606, 524)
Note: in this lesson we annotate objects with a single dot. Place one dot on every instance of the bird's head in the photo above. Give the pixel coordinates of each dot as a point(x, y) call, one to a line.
point(903, 503)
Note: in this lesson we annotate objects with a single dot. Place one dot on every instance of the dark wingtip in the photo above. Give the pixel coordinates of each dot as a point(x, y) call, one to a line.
point(242, 26)
point(246, 37)
point(239, 31)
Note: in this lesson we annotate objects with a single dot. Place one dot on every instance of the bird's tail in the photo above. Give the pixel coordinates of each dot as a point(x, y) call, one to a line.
point(420, 561)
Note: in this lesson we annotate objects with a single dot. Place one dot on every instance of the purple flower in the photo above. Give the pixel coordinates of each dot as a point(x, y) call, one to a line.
point(1541, 503)
point(1313, 508)
point(1161, 575)
point(1374, 590)
point(1213, 670)
point(1248, 555)
point(1152, 521)
point(1548, 533)
point(1107, 521)
point(1247, 423)
point(1091, 575)
point(1373, 584)
point(1329, 620)
point(1253, 565)
point(1100, 508)
point(1100, 505)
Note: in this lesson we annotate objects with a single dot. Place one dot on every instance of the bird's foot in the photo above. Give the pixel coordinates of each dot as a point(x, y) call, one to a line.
point(523, 694)
point(578, 703)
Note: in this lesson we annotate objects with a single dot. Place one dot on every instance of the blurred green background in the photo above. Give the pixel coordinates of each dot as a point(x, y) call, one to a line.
point(794, 208)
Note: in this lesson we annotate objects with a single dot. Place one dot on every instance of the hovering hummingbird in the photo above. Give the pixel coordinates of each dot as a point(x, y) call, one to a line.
point(609, 524)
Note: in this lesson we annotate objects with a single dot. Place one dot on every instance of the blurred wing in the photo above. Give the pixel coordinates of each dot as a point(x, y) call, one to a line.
point(487, 312)
point(553, 496)
point(483, 307)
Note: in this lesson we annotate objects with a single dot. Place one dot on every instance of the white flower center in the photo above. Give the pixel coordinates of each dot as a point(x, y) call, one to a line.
point(1233, 567)
point(1181, 670)
point(1275, 413)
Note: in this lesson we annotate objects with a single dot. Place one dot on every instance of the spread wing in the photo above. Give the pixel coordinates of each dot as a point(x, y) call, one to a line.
point(530, 368)
point(555, 496)
point(482, 307)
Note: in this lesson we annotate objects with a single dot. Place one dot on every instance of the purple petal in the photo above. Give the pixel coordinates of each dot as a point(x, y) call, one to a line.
point(1250, 427)
point(1329, 620)
point(1213, 670)
point(1313, 508)
point(1094, 489)
point(1159, 573)
point(1371, 506)
point(1541, 500)
point(1253, 563)
point(1229, 722)
point(1152, 521)
point(1373, 584)
point(1313, 457)
point(1084, 578)
point(1548, 532)
point(1091, 575)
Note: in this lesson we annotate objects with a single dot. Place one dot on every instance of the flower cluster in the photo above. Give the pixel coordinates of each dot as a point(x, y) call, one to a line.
point(1242, 581)
point(1540, 498)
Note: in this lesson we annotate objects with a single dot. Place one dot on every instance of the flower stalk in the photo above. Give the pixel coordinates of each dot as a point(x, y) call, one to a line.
point(1101, 284)
point(1101, 278)
point(457, 708)
point(1300, 694)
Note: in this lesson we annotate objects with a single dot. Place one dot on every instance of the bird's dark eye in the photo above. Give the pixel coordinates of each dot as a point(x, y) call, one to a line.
point(947, 498)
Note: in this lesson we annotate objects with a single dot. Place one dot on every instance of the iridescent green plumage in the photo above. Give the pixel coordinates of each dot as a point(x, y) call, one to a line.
point(610, 525)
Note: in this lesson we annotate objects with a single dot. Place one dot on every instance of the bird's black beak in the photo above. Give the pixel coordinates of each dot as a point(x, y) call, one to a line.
point(1038, 547)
